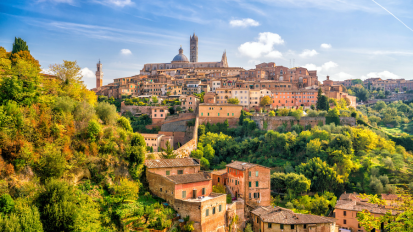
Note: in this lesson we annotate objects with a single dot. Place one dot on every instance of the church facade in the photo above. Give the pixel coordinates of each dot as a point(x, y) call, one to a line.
point(181, 61)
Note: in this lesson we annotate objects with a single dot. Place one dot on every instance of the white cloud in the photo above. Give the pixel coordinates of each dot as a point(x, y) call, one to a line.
point(329, 65)
point(87, 73)
point(244, 23)
point(263, 47)
point(341, 76)
point(308, 53)
point(325, 46)
point(118, 3)
point(325, 67)
point(383, 75)
point(274, 54)
point(125, 52)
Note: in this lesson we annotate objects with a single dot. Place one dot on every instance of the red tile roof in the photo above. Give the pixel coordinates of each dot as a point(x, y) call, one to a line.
point(168, 163)
point(360, 206)
point(240, 165)
point(280, 215)
point(189, 178)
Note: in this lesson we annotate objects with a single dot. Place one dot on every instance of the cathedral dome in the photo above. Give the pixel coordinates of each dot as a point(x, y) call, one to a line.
point(180, 57)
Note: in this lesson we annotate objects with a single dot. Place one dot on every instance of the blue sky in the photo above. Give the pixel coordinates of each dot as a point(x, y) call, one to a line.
point(341, 38)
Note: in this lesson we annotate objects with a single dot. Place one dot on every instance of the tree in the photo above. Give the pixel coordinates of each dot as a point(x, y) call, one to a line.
point(61, 209)
point(19, 45)
point(168, 153)
point(204, 164)
point(266, 100)
point(107, 113)
point(322, 101)
point(271, 113)
point(219, 188)
point(126, 189)
point(248, 228)
point(6, 203)
point(125, 124)
point(154, 99)
point(93, 130)
point(322, 176)
point(234, 101)
point(209, 152)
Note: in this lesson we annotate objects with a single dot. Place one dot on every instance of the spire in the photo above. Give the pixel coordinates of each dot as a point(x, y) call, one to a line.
point(181, 51)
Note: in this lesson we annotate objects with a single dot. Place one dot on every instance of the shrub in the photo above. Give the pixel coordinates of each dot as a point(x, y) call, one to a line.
point(6, 203)
point(64, 104)
point(229, 199)
point(126, 189)
point(125, 124)
point(107, 112)
point(93, 130)
point(289, 205)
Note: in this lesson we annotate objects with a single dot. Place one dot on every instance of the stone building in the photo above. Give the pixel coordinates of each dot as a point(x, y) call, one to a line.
point(347, 207)
point(214, 113)
point(189, 102)
point(158, 114)
point(157, 141)
point(277, 219)
point(188, 191)
point(297, 98)
point(99, 75)
point(251, 182)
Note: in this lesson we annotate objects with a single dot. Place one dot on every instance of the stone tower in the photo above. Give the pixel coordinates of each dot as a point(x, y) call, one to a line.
point(224, 59)
point(193, 43)
point(99, 75)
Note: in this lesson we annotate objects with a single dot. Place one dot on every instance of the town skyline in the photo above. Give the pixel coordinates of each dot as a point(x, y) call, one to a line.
point(126, 34)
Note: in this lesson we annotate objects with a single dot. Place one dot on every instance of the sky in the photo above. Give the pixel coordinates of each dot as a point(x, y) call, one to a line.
point(340, 38)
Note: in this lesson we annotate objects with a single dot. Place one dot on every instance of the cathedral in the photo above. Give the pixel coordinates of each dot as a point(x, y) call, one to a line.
point(181, 61)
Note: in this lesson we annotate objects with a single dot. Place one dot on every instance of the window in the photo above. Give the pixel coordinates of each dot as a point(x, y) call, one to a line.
point(269, 225)
point(208, 114)
point(218, 114)
point(219, 208)
point(207, 212)
point(281, 226)
point(183, 194)
point(256, 183)
point(359, 226)
point(344, 213)
point(236, 182)
point(203, 191)
point(250, 195)
point(180, 172)
point(249, 184)
point(305, 226)
point(228, 114)
point(249, 173)
point(168, 173)
point(160, 189)
point(232, 114)
point(256, 173)
point(202, 114)
point(213, 210)
point(292, 227)
point(344, 221)
point(257, 219)
point(218, 179)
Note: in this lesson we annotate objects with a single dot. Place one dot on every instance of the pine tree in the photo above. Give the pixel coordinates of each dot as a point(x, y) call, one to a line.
point(19, 45)
point(168, 153)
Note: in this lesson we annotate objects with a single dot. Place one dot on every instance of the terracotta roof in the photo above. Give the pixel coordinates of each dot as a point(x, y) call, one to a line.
point(240, 165)
point(189, 178)
point(360, 206)
point(168, 163)
point(280, 215)
point(219, 172)
point(389, 196)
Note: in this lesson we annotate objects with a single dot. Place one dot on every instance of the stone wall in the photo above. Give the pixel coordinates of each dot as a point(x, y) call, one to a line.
point(272, 123)
point(236, 208)
point(233, 122)
point(136, 109)
point(186, 149)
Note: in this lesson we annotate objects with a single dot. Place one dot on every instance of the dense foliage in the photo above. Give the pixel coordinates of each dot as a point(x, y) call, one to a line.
point(68, 161)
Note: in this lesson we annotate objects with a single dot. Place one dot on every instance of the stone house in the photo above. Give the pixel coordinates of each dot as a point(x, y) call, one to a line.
point(277, 219)
point(189, 102)
point(251, 182)
point(157, 141)
point(188, 191)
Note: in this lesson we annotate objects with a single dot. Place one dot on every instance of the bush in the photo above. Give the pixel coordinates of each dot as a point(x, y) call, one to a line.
point(289, 205)
point(6, 203)
point(107, 113)
point(52, 163)
point(93, 130)
point(125, 124)
point(126, 189)
point(64, 104)
point(229, 199)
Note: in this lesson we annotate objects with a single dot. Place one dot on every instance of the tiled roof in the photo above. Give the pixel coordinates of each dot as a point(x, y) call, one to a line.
point(219, 172)
point(360, 206)
point(189, 178)
point(280, 215)
point(240, 165)
point(389, 196)
point(169, 163)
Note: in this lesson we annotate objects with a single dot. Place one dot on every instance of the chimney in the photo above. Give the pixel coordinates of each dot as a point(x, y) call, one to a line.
point(328, 77)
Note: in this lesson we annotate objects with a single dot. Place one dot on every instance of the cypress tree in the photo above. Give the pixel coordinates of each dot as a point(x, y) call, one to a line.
point(19, 45)
point(319, 99)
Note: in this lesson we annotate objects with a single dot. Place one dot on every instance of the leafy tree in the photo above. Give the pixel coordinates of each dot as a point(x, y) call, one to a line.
point(107, 113)
point(266, 100)
point(125, 124)
point(204, 164)
point(333, 112)
point(234, 101)
point(154, 99)
point(271, 113)
point(52, 163)
point(248, 228)
point(319, 205)
point(209, 152)
point(168, 153)
point(19, 45)
point(6, 203)
point(126, 189)
point(93, 130)
point(323, 177)
point(219, 188)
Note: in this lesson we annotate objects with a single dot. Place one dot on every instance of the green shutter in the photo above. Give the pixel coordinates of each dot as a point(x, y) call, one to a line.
point(249, 184)
point(256, 183)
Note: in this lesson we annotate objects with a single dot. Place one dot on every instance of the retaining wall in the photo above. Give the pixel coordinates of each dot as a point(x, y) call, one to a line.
point(272, 123)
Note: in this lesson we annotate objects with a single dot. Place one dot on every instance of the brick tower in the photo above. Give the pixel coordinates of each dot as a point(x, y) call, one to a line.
point(193, 43)
point(99, 75)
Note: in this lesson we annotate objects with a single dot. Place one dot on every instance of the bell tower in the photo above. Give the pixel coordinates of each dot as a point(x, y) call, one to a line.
point(193, 49)
point(99, 75)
